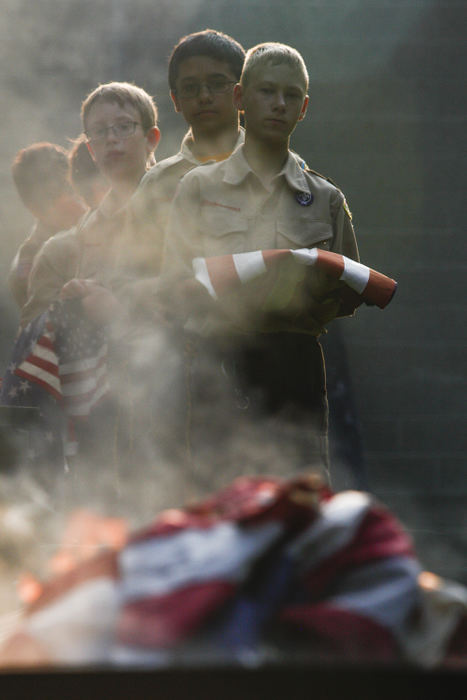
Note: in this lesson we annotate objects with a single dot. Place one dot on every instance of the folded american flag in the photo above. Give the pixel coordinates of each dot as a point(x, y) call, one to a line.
point(58, 364)
point(263, 564)
point(223, 273)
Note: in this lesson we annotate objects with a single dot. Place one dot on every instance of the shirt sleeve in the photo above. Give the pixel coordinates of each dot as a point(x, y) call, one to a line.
point(18, 278)
point(52, 268)
point(21, 266)
point(344, 241)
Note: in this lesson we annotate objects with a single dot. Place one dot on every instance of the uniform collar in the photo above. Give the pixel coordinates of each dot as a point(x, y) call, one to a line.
point(186, 149)
point(293, 173)
point(106, 214)
point(237, 169)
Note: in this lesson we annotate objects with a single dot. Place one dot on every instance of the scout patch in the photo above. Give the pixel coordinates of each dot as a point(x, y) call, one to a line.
point(304, 198)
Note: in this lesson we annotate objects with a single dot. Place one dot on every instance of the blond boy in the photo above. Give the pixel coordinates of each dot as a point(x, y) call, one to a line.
point(260, 198)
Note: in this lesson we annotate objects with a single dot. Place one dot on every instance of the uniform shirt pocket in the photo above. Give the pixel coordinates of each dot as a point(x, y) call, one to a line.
point(224, 229)
point(303, 232)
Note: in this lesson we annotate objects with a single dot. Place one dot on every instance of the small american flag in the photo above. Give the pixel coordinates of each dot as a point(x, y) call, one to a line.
point(360, 284)
point(59, 365)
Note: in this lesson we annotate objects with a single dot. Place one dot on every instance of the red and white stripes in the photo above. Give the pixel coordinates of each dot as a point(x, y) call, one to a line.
point(222, 273)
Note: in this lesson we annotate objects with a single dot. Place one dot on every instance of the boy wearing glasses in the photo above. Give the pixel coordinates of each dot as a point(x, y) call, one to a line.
point(120, 122)
point(59, 357)
point(203, 69)
point(260, 198)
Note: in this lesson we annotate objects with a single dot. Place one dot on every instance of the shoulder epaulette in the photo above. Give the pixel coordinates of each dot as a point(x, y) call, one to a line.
point(168, 162)
point(328, 179)
point(324, 177)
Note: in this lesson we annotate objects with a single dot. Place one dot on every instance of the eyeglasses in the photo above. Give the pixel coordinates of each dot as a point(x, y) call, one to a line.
point(216, 86)
point(121, 130)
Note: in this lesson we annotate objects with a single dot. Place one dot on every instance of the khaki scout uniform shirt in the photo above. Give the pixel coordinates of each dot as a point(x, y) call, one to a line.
point(97, 248)
point(225, 208)
point(21, 266)
point(150, 205)
point(103, 242)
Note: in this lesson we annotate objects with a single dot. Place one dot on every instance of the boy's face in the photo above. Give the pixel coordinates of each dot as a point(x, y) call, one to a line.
point(121, 153)
point(274, 100)
point(204, 95)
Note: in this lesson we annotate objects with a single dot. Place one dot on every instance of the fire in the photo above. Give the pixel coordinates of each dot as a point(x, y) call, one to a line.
point(29, 588)
point(86, 534)
point(429, 581)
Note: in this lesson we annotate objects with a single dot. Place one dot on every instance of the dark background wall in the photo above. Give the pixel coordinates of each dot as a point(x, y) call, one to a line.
point(386, 122)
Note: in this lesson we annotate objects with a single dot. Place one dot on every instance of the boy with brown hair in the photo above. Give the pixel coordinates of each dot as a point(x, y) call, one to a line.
point(41, 175)
point(203, 69)
point(83, 271)
point(261, 198)
point(120, 122)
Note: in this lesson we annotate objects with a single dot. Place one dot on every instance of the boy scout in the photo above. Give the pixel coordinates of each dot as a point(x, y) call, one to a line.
point(203, 69)
point(260, 198)
point(41, 174)
point(119, 120)
point(93, 262)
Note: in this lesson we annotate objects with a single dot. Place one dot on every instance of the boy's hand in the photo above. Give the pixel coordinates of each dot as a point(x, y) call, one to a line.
point(99, 304)
point(76, 288)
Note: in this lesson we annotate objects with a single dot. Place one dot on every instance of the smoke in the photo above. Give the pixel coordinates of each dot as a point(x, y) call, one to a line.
point(53, 53)
point(175, 428)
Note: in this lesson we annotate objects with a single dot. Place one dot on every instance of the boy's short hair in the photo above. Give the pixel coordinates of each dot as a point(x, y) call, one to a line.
point(121, 94)
point(274, 53)
point(211, 43)
point(41, 173)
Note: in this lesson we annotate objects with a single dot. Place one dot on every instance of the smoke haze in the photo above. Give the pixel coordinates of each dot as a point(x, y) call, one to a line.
point(386, 119)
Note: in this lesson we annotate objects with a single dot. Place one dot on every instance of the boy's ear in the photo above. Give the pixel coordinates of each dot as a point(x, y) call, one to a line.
point(153, 137)
point(304, 108)
point(238, 97)
point(174, 97)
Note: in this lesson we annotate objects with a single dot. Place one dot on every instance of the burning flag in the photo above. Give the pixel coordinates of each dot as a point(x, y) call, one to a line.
point(263, 564)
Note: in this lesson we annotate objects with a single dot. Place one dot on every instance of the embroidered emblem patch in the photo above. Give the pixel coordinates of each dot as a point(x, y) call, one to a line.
point(304, 198)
